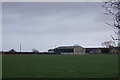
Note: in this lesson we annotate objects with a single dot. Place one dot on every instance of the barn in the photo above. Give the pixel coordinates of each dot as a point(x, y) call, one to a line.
point(70, 50)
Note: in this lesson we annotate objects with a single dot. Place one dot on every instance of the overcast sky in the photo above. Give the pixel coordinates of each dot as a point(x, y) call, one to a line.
point(48, 25)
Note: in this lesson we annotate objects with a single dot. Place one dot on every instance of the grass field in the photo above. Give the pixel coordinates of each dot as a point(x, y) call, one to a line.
point(60, 66)
point(0, 66)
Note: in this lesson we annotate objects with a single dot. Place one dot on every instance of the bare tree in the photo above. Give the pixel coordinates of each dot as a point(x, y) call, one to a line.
point(111, 47)
point(109, 44)
point(112, 7)
point(12, 51)
point(35, 51)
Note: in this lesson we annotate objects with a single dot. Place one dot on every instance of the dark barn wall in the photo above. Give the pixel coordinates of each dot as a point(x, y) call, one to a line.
point(63, 50)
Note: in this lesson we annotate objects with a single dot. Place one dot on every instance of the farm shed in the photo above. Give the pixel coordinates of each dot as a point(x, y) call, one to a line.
point(93, 50)
point(70, 50)
point(51, 51)
point(114, 50)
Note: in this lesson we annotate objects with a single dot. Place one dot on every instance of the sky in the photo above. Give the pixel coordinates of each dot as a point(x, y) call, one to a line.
point(46, 25)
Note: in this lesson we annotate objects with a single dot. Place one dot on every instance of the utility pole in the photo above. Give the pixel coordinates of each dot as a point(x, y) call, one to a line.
point(20, 47)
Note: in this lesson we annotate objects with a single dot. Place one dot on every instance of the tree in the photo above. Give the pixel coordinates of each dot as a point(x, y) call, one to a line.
point(35, 51)
point(109, 44)
point(110, 47)
point(12, 50)
point(112, 7)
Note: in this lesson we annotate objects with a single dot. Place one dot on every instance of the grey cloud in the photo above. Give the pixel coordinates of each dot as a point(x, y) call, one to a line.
point(55, 23)
point(41, 8)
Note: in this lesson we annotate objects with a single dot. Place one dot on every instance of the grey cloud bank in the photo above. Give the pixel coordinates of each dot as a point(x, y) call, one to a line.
point(44, 25)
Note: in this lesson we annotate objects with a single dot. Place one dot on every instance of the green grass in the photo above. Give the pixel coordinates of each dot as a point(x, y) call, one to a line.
point(60, 66)
point(0, 66)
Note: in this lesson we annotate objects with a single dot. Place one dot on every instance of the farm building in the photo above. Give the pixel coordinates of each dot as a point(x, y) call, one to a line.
point(68, 50)
point(114, 50)
point(51, 51)
point(93, 50)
